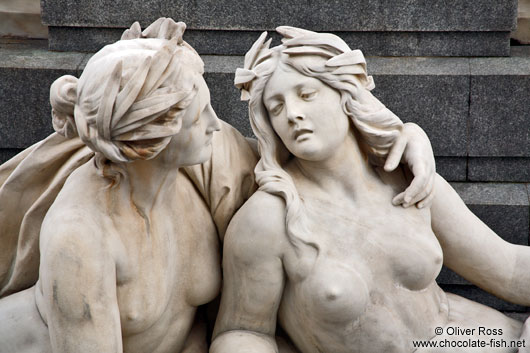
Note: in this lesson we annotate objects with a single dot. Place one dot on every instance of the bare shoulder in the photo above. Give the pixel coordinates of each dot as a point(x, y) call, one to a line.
point(258, 226)
point(76, 221)
point(71, 234)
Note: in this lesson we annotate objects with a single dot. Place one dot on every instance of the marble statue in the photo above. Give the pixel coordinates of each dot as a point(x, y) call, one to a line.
point(129, 248)
point(111, 227)
point(320, 250)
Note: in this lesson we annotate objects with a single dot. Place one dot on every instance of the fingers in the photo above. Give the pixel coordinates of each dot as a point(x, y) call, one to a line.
point(399, 199)
point(420, 192)
point(415, 147)
point(395, 154)
point(418, 184)
point(427, 201)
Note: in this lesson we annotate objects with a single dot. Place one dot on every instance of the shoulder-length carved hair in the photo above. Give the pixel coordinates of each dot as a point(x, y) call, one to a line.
point(327, 58)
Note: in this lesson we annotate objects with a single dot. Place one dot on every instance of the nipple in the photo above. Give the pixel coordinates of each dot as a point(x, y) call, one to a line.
point(339, 294)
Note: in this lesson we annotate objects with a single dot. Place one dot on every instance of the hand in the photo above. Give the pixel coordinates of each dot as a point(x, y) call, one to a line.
point(413, 148)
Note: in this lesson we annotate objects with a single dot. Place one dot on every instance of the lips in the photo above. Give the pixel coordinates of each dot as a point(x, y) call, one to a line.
point(301, 132)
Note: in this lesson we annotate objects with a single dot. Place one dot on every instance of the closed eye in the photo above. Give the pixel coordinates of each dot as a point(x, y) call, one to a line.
point(277, 109)
point(308, 95)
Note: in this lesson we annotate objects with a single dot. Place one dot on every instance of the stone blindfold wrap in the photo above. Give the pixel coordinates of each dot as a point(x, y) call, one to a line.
point(127, 111)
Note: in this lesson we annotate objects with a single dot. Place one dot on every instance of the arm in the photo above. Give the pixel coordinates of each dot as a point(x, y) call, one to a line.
point(413, 148)
point(78, 281)
point(253, 280)
point(474, 251)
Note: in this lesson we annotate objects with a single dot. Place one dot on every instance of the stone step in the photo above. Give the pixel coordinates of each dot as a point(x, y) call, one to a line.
point(475, 110)
point(21, 18)
point(378, 27)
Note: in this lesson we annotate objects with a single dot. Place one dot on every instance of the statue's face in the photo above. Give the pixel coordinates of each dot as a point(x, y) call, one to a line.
point(305, 113)
point(193, 143)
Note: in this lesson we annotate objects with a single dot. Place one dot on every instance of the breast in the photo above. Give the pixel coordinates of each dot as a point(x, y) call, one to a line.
point(176, 266)
point(414, 258)
point(334, 292)
point(198, 245)
point(418, 269)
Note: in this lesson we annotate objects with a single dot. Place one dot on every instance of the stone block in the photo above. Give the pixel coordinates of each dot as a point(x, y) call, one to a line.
point(81, 39)
point(432, 92)
point(27, 25)
point(219, 75)
point(21, 18)
point(8, 153)
point(499, 123)
point(478, 295)
point(452, 168)
point(25, 78)
point(505, 169)
point(339, 15)
point(505, 208)
point(379, 27)
point(223, 42)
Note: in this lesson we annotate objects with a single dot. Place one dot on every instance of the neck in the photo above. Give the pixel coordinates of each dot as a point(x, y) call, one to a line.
point(344, 175)
point(149, 180)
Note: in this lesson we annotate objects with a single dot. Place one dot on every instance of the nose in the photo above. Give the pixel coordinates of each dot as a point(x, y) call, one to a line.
point(213, 121)
point(293, 112)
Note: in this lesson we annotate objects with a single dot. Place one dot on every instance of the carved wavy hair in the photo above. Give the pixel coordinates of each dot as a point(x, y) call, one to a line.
point(333, 63)
point(129, 100)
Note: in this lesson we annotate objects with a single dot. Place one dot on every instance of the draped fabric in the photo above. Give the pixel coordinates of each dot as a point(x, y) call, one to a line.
point(31, 181)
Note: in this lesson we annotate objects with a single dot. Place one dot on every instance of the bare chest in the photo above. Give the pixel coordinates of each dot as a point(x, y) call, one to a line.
point(367, 259)
point(384, 244)
point(166, 263)
point(366, 254)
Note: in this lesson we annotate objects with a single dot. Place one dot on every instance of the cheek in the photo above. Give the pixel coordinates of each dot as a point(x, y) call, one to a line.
point(280, 126)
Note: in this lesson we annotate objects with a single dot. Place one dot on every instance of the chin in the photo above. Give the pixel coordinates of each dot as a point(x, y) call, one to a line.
point(313, 154)
point(199, 158)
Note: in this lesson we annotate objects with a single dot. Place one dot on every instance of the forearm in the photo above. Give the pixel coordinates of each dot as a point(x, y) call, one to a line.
point(243, 341)
point(519, 285)
point(475, 252)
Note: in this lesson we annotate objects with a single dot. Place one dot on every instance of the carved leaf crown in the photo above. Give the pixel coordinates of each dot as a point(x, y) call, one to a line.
point(297, 41)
